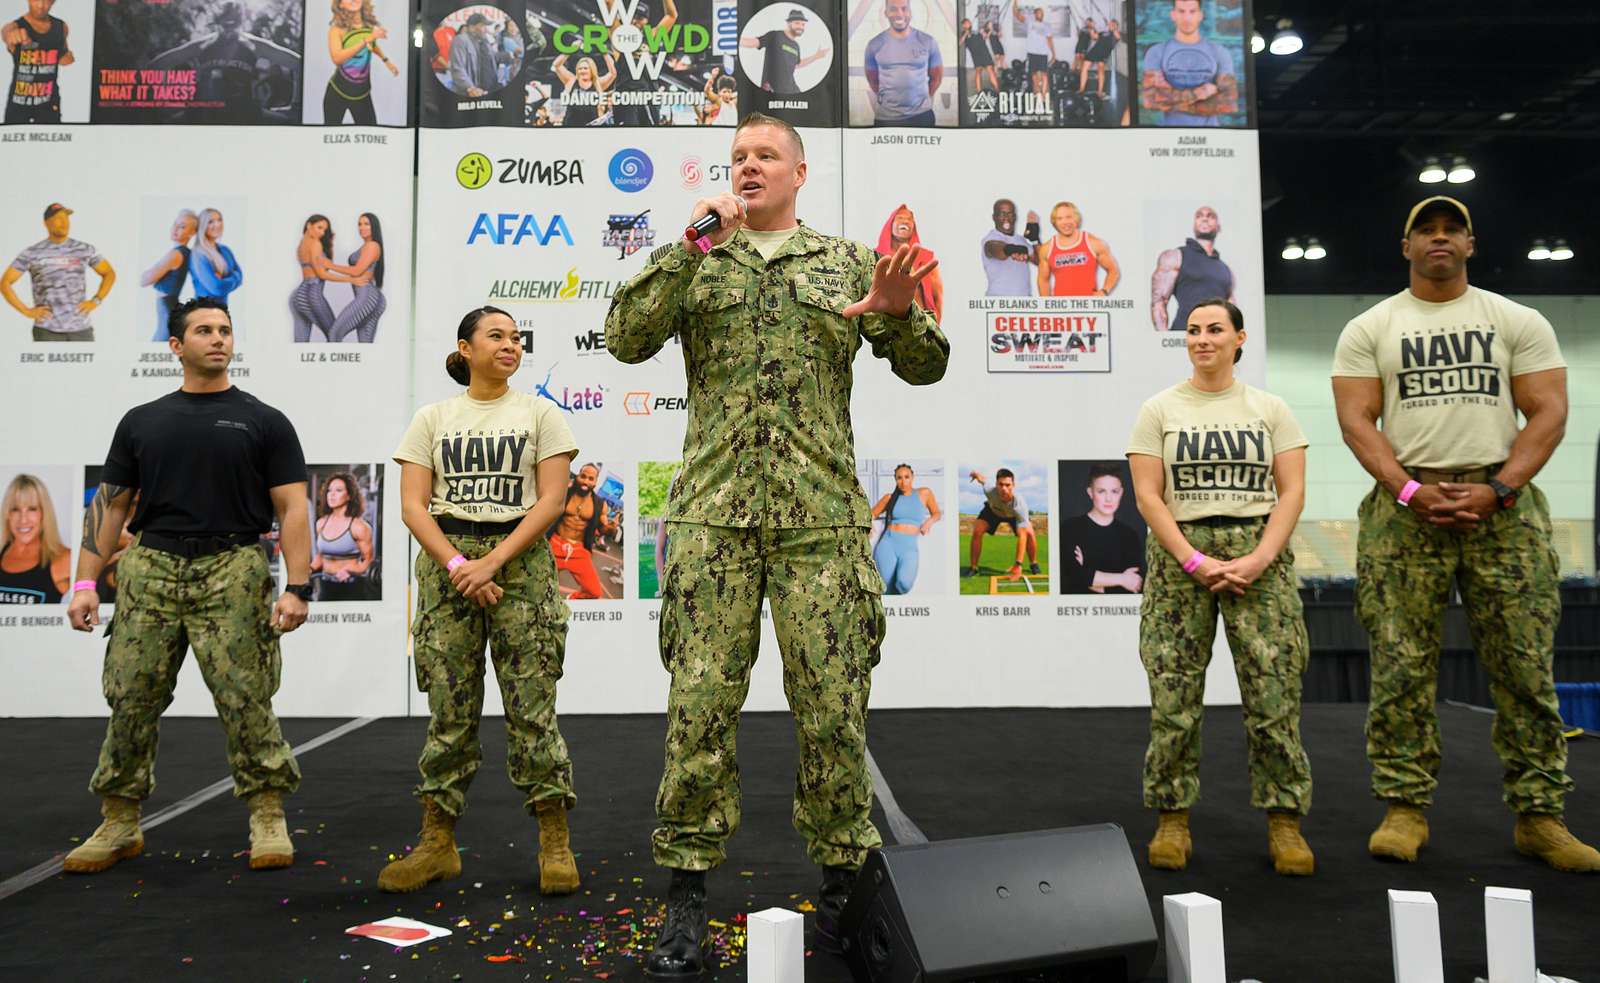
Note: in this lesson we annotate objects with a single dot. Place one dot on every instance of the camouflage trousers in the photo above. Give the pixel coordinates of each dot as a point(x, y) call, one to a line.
point(220, 605)
point(1508, 575)
point(526, 634)
point(1266, 632)
point(828, 616)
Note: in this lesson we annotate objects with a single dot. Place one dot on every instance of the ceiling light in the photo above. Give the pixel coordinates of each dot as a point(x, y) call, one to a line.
point(1539, 252)
point(1258, 43)
point(1506, 117)
point(1286, 41)
point(416, 38)
point(1432, 172)
point(1314, 249)
point(1561, 250)
point(1461, 172)
point(1292, 250)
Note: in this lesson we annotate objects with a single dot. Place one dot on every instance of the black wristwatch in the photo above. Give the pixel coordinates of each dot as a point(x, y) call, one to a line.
point(1503, 491)
point(302, 591)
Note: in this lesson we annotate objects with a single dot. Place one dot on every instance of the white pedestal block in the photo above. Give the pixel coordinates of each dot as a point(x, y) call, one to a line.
point(1508, 923)
point(776, 950)
point(1414, 937)
point(1194, 939)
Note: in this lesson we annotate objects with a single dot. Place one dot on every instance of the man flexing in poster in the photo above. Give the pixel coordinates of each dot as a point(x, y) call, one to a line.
point(55, 264)
point(1191, 272)
point(1007, 257)
point(584, 517)
point(783, 54)
point(37, 43)
point(1188, 80)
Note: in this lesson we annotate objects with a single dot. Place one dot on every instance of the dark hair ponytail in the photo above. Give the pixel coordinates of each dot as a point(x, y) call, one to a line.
point(455, 364)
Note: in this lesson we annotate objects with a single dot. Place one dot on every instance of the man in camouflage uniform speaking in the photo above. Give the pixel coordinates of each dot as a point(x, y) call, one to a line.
point(211, 466)
point(1447, 367)
point(767, 505)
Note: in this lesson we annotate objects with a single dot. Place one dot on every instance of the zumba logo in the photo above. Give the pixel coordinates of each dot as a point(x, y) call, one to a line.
point(631, 170)
point(473, 171)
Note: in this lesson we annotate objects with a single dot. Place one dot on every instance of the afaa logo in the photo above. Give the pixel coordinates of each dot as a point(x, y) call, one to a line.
point(511, 228)
point(631, 170)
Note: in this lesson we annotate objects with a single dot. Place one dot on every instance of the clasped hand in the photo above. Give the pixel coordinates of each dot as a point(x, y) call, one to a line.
point(1232, 576)
point(474, 580)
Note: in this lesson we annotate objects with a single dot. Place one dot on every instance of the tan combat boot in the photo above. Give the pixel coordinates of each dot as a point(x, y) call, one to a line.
point(1171, 847)
point(1291, 854)
point(558, 869)
point(117, 838)
point(434, 859)
point(270, 846)
point(1402, 833)
point(1547, 837)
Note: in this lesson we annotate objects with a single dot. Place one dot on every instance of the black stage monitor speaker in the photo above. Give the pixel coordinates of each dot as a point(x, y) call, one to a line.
point(1057, 904)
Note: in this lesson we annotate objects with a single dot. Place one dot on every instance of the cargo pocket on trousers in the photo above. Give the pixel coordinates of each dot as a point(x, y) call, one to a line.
point(669, 634)
point(873, 621)
point(419, 659)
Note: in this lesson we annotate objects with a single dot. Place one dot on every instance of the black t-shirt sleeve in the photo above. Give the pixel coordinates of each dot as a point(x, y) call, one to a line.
point(282, 462)
point(122, 467)
point(771, 38)
point(1076, 578)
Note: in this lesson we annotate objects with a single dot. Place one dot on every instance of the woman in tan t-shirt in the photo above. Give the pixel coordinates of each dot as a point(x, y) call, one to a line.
point(1219, 471)
point(482, 476)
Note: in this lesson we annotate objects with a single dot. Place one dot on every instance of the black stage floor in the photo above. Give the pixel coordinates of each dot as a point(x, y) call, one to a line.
point(191, 909)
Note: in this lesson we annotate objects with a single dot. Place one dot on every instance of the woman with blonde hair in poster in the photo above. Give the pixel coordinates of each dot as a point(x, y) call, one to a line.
point(353, 37)
point(585, 79)
point(212, 267)
point(171, 270)
point(34, 562)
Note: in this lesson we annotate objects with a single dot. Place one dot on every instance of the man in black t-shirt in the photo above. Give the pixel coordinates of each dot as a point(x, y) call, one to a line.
point(783, 54)
point(212, 466)
point(37, 43)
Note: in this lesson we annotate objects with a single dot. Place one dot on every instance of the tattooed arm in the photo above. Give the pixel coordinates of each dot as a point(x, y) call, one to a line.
point(102, 527)
point(1162, 283)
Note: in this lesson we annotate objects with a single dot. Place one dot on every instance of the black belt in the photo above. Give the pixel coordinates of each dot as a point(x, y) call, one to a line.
point(1226, 520)
point(452, 526)
point(193, 547)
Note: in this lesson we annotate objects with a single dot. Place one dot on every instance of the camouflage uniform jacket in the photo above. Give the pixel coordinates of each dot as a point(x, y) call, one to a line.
point(769, 358)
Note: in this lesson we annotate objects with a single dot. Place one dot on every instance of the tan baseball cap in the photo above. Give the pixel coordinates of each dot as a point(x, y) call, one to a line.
point(1435, 203)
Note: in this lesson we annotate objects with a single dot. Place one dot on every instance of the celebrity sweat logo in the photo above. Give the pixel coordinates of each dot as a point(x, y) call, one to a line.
point(631, 170)
point(1074, 341)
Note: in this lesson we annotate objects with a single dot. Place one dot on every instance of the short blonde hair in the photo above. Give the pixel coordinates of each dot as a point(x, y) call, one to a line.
point(1065, 204)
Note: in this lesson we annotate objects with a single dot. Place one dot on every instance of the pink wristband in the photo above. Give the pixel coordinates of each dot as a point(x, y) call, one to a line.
point(85, 585)
point(1409, 490)
point(1193, 563)
point(453, 562)
point(703, 244)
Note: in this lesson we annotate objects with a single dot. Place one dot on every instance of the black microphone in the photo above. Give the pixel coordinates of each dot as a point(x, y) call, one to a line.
point(705, 224)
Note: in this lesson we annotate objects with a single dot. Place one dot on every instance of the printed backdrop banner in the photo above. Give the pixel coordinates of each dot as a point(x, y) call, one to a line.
point(307, 235)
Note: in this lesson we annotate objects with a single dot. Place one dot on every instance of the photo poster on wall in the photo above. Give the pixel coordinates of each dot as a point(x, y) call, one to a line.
point(309, 244)
point(241, 62)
